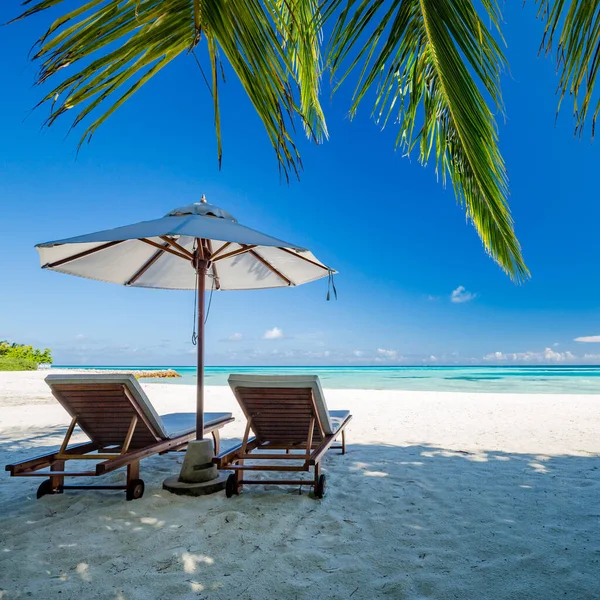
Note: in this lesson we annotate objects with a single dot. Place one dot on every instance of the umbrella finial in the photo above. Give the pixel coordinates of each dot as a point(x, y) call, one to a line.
point(203, 199)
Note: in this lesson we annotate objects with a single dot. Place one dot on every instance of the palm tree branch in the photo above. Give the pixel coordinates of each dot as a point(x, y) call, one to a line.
point(573, 28)
point(106, 50)
point(299, 25)
point(420, 59)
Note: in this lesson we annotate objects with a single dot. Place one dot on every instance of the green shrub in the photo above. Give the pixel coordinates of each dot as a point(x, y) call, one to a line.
point(27, 353)
point(17, 364)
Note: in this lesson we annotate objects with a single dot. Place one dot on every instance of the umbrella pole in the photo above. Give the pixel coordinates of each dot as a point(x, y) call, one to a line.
point(199, 475)
point(201, 270)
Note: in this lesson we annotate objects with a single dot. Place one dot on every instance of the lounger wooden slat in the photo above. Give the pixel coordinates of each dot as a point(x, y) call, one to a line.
point(284, 413)
point(123, 428)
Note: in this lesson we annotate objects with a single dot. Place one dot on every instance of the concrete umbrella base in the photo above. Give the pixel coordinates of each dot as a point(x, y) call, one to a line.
point(198, 476)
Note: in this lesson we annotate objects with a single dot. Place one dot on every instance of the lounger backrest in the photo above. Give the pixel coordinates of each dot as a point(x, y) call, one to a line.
point(104, 406)
point(280, 406)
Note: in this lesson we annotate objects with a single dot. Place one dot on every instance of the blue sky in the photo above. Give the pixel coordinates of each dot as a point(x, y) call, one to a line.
point(401, 244)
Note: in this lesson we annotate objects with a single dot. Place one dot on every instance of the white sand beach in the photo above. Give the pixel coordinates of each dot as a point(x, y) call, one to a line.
point(441, 495)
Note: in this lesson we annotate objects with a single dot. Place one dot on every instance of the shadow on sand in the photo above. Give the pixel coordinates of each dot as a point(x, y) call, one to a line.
point(398, 521)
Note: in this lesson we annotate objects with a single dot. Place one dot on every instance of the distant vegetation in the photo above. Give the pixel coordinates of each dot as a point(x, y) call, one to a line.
point(18, 357)
point(17, 364)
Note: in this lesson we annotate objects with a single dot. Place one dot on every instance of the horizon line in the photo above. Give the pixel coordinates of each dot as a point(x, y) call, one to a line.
point(408, 366)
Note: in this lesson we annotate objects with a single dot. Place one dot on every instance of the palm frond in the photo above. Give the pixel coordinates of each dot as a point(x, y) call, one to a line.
point(422, 60)
point(110, 48)
point(573, 27)
point(299, 25)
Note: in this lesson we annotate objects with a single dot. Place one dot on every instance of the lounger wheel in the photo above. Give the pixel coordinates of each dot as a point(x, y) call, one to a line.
point(321, 486)
point(231, 486)
point(46, 488)
point(135, 489)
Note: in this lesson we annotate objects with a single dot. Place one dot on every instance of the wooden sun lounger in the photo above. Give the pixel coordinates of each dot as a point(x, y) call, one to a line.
point(285, 413)
point(123, 427)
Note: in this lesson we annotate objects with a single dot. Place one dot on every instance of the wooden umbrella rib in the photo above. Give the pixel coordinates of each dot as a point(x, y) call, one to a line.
point(242, 250)
point(214, 267)
point(146, 266)
point(269, 266)
point(177, 246)
point(165, 249)
point(206, 248)
point(200, 248)
point(225, 245)
point(83, 254)
point(308, 260)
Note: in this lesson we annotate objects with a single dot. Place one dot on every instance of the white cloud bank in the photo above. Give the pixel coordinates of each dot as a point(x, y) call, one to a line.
point(236, 337)
point(460, 295)
point(389, 354)
point(273, 334)
point(589, 339)
point(548, 355)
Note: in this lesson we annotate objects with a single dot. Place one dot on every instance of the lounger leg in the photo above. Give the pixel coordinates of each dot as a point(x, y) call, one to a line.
point(343, 441)
point(57, 481)
point(320, 484)
point(133, 471)
point(135, 486)
point(216, 440)
point(239, 476)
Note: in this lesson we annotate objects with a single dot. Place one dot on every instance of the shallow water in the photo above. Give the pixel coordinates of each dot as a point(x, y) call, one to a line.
point(523, 380)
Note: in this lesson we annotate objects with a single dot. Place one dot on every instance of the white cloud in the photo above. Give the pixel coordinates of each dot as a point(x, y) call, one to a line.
point(358, 353)
point(548, 355)
point(387, 353)
point(236, 337)
point(588, 339)
point(433, 358)
point(283, 353)
point(273, 334)
point(460, 295)
point(432, 298)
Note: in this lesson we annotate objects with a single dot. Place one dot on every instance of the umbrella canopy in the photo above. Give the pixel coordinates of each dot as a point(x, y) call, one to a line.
point(149, 254)
point(195, 247)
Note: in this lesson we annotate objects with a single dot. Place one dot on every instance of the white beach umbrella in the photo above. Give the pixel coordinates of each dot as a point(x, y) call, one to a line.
point(196, 247)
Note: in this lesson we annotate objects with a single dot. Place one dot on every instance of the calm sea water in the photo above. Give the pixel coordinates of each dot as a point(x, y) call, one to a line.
point(531, 380)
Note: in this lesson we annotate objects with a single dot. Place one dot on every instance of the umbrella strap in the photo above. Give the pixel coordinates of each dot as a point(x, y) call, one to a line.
point(331, 286)
point(194, 330)
point(195, 322)
point(212, 289)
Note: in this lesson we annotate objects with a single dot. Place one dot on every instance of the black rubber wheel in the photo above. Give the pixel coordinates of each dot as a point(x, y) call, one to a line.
point(45, 488)
point(135, 489)
point(231, 486)
point(321, 486)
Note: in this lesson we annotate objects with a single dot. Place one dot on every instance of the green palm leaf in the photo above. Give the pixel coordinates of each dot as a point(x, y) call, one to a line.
point(108, 49)
point(574, 28)
point(423, 60)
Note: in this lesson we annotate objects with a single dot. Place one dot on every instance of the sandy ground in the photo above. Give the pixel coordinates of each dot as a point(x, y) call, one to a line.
point(466, 496)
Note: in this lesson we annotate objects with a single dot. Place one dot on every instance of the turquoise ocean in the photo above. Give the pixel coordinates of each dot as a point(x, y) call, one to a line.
point(519, 380)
